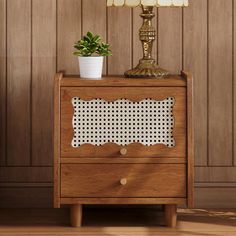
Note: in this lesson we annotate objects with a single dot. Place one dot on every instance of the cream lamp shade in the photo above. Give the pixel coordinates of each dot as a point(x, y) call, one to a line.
point(157, 3)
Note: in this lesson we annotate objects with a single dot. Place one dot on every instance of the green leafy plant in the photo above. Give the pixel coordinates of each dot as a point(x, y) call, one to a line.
point(91, 45)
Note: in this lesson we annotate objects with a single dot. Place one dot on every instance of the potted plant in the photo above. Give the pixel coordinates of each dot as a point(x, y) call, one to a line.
point(91, 51)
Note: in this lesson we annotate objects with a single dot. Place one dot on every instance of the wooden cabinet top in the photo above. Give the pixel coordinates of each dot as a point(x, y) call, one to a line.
point(119, 81)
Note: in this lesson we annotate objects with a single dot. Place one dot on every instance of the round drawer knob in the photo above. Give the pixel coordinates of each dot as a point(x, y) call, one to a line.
point(123, 181)
point(123, 151)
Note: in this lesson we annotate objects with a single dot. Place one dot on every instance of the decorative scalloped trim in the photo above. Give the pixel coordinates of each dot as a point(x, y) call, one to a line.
point(157, 3)
point(115, 139)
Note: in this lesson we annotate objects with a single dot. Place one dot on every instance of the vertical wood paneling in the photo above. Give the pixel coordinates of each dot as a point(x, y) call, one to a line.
point(98, 13)
point(43, 70)
point(215, 174)
point(216, 197)
point(26, 83)
point(69, 31)
point(26, 175)
point(220, 82)
point(195, 60)
point(137, 46)
point(25, 197)
point(170, 39)
point(18, 81)
point(120, 38)
point(234, 81)
point(2, 82)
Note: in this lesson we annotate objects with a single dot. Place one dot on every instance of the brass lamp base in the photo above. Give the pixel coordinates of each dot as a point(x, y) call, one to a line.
point(146, 69)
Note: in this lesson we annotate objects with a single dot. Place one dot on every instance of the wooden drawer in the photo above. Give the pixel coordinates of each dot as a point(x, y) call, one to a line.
point(96, 122)
point(104, 180)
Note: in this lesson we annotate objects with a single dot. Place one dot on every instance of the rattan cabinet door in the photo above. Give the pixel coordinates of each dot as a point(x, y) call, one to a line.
point(104, 122)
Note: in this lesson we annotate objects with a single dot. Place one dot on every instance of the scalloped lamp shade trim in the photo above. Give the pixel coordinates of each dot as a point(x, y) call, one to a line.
point(157, 3)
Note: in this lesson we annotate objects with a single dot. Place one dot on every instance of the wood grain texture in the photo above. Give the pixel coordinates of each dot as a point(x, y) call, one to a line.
point(195, 60)
point(18, 82)
point(171, 215)
point(26, 174)
point(57, 138)
point(116, 222)
point(24, 197)
point(124, 201)
point(119, 81)
point(43, 70)
point(137, 46)
point(99, 13)
point(190, 139)
point(118, 182)
point(3, 81)
point(216, 174)
point(212, 197)
point(124, 160)
point(76, 215)
point(170, 39)
point(103, 180)
point(25, 184)
point(220, 83)
point(215, 185)
point(68, 32)
point(119, 36)
point(135, 150)
point(234, 84)
point(207, 50)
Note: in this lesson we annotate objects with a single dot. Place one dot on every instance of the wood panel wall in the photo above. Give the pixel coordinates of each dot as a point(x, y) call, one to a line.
point(38, 42)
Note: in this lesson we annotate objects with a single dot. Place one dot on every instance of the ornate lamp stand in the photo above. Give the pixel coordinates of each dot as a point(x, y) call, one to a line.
point(147, 65)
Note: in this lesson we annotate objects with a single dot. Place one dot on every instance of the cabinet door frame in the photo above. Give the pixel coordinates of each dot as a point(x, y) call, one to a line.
point(135, 94)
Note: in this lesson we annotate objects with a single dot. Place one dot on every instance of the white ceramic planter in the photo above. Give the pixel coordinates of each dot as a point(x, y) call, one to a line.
point(91, 67)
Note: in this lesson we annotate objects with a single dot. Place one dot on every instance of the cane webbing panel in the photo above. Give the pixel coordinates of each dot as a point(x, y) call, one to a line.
point(123, 122)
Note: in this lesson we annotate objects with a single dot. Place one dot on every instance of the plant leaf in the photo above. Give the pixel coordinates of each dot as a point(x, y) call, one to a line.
point(91, 44)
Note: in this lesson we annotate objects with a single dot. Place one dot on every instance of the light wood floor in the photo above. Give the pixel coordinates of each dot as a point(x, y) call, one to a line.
point(116, 222)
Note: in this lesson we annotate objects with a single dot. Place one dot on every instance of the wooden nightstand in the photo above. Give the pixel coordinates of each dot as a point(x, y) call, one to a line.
point(123, 141)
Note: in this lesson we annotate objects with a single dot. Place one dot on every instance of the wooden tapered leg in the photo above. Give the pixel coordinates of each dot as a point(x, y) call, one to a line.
point(76, 215)
point(171, 215)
